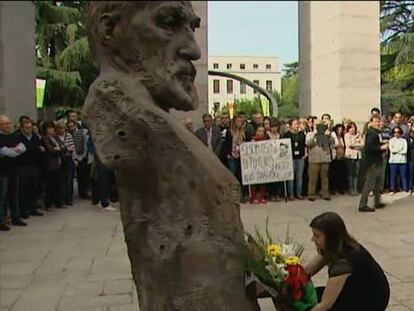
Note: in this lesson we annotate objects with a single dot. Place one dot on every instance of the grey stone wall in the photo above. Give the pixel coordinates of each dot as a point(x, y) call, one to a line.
point(17, 59)
point(339, 53)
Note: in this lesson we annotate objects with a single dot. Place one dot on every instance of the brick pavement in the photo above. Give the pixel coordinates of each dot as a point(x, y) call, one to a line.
point(75, 259)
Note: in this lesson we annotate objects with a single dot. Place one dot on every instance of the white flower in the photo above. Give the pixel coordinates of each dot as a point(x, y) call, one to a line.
point(282, 269)
point(288, 250)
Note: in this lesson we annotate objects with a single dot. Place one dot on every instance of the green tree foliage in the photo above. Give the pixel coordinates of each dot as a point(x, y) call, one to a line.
point(62, 50)
point(250, 107)
point(397, 55)
point(289, 101)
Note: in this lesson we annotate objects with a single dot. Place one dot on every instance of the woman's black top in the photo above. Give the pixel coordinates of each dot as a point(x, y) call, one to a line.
point(367, 288)
point(298, 143)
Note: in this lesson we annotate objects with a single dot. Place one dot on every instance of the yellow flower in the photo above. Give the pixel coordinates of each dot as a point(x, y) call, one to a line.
point(274, 250)
point(292, 260)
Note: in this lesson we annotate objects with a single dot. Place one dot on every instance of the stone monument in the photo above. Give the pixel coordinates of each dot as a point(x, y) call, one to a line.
point(179, 205)
point(339, 53)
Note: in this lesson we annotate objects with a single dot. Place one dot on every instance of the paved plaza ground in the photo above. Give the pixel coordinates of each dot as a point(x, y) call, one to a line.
point(75, 259)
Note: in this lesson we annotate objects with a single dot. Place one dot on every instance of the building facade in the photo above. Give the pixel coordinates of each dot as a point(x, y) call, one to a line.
point(264, 71)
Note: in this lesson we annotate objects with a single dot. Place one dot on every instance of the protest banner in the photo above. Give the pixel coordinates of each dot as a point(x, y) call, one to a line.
point(266, 161)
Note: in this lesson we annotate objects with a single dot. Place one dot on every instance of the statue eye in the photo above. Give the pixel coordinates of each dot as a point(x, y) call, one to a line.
point(171, 19)
point(195, 23)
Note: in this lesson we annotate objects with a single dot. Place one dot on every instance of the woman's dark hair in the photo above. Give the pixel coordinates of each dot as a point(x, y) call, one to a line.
point(267, 119)
point(336, 127)
point(274, 122)
point(337, 239)
point(351, 125)
point(46, 125)
point(293, 119)
point(397, 128)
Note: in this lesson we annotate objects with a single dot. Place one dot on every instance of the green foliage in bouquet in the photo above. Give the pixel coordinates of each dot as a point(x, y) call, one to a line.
point(309, 300)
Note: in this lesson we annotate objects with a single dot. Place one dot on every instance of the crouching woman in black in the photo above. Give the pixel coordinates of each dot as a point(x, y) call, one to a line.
point(356, 281)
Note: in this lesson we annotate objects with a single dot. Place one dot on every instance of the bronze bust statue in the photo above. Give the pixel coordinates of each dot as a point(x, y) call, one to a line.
point(179, 205)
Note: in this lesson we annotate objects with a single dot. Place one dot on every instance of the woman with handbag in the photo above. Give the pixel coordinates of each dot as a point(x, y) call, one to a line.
point(54, 151)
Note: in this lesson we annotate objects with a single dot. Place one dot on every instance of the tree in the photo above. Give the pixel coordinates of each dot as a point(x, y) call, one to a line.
point(397, 57)
point(249, 106)
point(62, 50)
point(289, 99)
point(291, 70)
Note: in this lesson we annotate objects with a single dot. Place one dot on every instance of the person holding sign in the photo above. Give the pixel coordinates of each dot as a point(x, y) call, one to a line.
point(260, 136)
point(321, 144)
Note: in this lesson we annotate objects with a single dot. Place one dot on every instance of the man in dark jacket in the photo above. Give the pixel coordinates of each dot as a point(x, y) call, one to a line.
point(28, 169)
point(210, 135)
point(372, 161)
point(10, 149)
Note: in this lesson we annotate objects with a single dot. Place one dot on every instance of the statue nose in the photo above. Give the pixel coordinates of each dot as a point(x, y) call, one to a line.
point(190, 53)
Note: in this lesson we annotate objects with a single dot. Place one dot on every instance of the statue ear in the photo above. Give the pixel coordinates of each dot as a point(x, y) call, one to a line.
point(107, 24)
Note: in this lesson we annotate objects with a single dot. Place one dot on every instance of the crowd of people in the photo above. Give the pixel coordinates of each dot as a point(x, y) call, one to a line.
point(328, 158)
point(39, 162)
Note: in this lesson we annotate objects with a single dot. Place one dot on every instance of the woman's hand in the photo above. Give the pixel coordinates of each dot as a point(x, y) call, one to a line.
point(315, 265)
point(332, 291)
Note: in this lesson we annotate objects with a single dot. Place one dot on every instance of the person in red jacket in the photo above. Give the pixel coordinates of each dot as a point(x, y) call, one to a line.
point(260, 136)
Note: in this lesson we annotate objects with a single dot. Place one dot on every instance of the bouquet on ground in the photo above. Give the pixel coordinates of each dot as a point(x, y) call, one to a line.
point(278, 267)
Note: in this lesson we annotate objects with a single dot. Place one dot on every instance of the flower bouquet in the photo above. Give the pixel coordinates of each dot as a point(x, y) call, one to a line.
point(278, 268)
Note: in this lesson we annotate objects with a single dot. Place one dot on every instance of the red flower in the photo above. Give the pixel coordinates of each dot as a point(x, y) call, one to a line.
point(296, 281)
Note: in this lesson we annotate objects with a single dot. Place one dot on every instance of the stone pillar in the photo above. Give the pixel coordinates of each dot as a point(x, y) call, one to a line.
point(339, 54)
point(201, 82)
point(17, 59)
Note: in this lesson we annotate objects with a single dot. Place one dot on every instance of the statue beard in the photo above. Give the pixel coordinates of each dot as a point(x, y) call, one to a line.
point(168, 89)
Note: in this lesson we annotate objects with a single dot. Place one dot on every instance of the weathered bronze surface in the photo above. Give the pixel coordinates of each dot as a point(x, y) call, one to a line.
point(179, 205)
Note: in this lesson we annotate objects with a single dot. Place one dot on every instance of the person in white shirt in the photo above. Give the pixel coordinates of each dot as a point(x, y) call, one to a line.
point(398, 159)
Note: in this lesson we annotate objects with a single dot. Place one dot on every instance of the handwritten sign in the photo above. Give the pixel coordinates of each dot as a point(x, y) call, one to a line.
point(266, 161)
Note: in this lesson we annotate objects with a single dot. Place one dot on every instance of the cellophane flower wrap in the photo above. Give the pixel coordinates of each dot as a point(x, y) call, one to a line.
point(279, 267)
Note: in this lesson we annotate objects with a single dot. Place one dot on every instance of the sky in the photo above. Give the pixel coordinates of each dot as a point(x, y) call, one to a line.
point(263, 28)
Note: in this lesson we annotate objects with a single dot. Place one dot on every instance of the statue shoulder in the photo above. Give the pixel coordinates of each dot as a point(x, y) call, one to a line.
point(106, 85)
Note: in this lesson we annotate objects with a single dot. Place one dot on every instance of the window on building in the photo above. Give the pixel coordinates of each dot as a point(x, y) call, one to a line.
point(269, 86)
point(255, 66)
point(229, 86)
point(257, 83)
point(242, 66)
point(216, 86)
point(229, 66)
point(242, 88)
point(268, 66)
point(215, 66)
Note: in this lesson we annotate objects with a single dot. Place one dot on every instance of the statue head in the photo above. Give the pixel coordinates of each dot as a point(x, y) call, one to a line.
point(153, 40)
